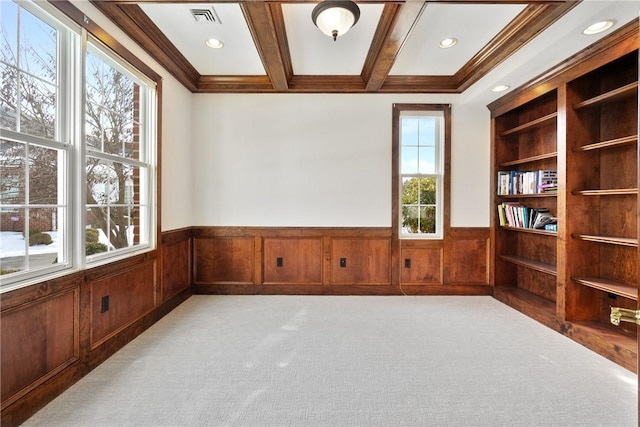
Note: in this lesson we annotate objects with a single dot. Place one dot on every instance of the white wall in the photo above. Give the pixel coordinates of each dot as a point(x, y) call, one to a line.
point(176, 130)
point(470, 165)
point(297, 160)
point(177, 143)
point(319, 159)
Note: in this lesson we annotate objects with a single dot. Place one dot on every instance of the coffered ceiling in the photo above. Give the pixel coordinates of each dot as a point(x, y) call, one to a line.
point(273, 46)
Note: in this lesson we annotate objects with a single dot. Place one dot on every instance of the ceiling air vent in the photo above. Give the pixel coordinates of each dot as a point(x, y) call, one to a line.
point(205, 16)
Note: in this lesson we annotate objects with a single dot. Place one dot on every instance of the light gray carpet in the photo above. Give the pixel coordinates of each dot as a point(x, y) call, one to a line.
point(348, 361)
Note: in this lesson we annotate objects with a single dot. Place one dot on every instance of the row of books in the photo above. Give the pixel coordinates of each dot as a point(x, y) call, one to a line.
point(527, 182)
point(520, 216)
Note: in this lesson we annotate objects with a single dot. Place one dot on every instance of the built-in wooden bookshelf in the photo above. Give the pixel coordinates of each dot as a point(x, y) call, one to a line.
point(525, 139)
point(581, 120)
point(602, 193)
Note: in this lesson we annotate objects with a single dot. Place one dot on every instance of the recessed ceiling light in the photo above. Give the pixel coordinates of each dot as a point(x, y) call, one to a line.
point(447, 43)
point(500, 88)
point(214, 43)
point(598, 27)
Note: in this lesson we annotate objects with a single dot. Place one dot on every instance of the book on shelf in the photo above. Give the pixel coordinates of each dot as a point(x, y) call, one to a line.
point(503, 183)
point(517, 215)
point(527, 182)
point(542, 219)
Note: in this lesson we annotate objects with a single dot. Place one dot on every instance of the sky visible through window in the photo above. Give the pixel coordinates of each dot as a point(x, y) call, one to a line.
point(418, 142)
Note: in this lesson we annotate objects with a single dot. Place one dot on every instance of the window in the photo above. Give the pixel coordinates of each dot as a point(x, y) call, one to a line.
point(419, 170)
point(44, 152)
point(118, 162)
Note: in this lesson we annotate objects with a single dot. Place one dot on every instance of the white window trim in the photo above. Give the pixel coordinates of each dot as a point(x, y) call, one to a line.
point(439, 175)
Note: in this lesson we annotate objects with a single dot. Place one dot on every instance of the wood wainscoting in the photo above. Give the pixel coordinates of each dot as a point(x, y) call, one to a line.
point(338, 261)
point(55, 332)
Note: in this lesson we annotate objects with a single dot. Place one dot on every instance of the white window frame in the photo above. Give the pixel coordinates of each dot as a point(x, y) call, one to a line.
point(438, 174)
point(73, 41)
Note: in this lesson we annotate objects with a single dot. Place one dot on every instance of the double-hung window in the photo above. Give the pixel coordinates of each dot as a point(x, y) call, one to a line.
point(77, 148)
point(420, 170)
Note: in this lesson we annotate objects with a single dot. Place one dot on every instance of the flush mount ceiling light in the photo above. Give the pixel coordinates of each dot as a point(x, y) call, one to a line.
point(598, 27)
point(335, 18)
point(214, 43)
point(500, 88)
point(447, 43)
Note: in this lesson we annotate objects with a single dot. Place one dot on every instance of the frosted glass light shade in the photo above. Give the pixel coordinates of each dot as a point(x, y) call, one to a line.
point(335, 18)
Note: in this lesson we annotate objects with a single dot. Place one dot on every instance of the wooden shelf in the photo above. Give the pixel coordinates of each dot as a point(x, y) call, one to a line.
point(534, 124)
point(612, 240)
point(527, 302)
point(614, 287)
point(611, 143)
point(615, 341)
point(609, 192)
point(613, 95)
point(530, 159)
point(530, 230)
point(533, 265)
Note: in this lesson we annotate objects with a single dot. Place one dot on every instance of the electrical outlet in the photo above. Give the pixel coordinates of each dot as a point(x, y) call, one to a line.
point(104, 304)
point(279, 262)
point(407, 263)
point(343, 262)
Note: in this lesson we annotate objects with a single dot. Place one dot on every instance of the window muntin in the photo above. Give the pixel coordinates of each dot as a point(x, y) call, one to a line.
point(421, 166)
point(43, 156)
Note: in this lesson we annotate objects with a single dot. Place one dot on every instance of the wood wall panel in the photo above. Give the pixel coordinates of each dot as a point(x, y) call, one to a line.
point(131, 295)
point(39, 339)
point(243, 260)
point(301, 261)
point(224, 259)
point(367, 261)
point(425, 266)
point(176, 263)
point(471, 261)
point(467, 257)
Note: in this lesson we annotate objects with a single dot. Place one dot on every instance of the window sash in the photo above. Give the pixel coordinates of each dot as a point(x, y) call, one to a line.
point(419, 204)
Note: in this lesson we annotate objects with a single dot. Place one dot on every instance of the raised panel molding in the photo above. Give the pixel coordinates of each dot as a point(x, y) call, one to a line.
point(176, 262)
point(130, 295)
point(471, 261)
point(292, 260)
point(421, 266)
point(467, 257)
point(39, 339)
point(356, 261)
point(224, 260)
